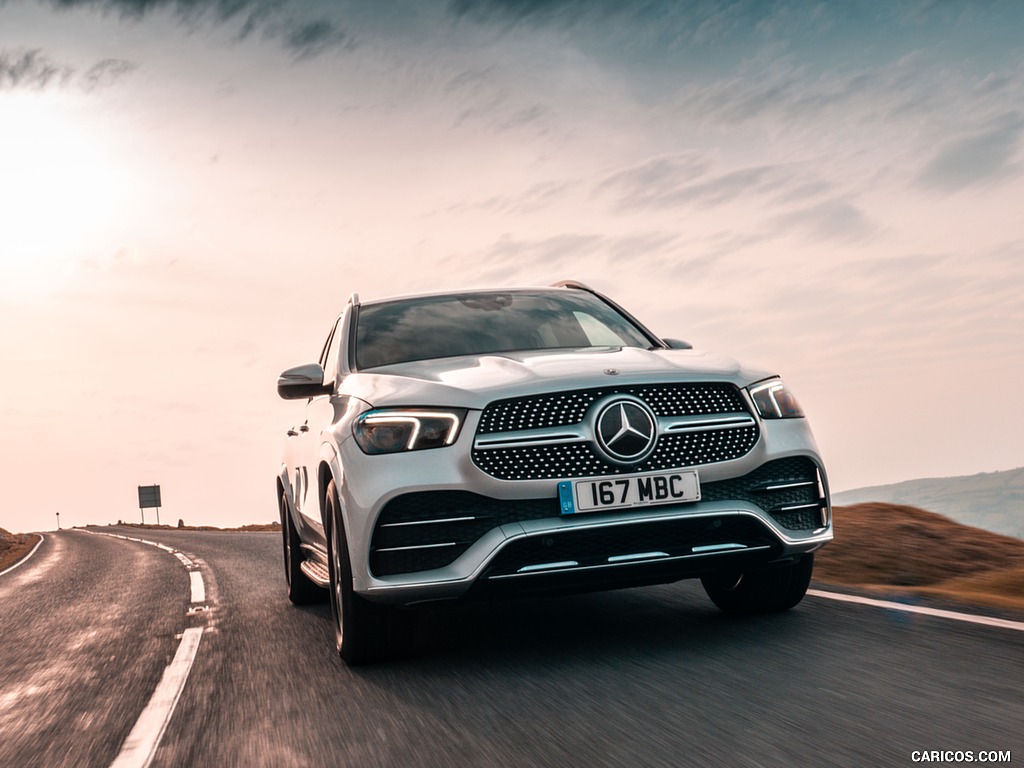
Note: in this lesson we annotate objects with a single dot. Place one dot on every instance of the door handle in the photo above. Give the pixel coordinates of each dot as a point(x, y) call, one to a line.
point(292, 433)
point(304, 428)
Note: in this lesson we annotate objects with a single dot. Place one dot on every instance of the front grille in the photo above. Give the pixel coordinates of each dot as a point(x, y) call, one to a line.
point(565, 460)
point(431, 529)
point(564, 408)
point(571, 460)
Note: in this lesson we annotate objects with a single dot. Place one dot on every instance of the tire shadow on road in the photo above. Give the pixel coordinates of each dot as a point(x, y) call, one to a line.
point(664, 621)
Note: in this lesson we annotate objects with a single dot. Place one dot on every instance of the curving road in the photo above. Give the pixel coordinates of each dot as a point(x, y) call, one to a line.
point(647, 677)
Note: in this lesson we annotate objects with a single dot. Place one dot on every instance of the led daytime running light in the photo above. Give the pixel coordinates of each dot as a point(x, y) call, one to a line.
point(774, 401)
point(416, 425)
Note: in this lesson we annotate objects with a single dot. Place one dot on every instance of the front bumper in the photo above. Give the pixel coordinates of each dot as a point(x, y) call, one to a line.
point(411, 541)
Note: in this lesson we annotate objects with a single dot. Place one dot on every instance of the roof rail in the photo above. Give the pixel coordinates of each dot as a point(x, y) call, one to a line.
point(354, 299)
point(572, 284)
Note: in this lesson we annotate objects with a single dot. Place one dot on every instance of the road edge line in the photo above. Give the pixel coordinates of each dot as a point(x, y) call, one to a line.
point(26, 557)
point(140, 747)
point(968, 618)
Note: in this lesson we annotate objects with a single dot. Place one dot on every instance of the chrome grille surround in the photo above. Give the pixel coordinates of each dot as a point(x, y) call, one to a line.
point(553, 436)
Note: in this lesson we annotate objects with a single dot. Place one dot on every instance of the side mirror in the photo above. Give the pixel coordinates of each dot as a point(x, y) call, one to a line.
point(678, 344)
point(302, 381)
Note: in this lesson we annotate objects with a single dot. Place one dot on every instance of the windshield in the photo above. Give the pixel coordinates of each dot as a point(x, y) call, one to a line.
point(485, 323)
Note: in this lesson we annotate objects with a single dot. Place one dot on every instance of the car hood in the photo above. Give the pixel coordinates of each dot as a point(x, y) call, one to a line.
point(474, 381)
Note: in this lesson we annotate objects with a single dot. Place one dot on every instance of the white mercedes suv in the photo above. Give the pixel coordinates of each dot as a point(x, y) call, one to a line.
point(536, 440)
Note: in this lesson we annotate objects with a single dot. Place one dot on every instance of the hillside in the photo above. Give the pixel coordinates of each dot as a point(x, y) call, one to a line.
point(13, 546)
point(991, 500)
point(905, 550)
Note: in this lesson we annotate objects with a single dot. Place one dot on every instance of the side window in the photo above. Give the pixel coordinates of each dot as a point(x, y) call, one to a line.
point(598, 334)
point(331, 353)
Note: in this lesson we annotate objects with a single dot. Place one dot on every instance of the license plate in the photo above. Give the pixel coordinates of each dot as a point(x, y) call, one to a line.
point(623, 491)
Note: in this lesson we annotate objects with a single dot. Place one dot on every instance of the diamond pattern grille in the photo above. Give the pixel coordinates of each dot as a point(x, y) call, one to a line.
point(580, 459)
point(561, 409)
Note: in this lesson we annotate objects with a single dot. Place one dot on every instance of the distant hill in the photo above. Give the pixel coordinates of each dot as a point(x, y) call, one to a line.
point(899, 550)
point(991, 500)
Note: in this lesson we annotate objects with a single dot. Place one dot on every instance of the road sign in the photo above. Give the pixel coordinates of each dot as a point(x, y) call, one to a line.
point(149, 496)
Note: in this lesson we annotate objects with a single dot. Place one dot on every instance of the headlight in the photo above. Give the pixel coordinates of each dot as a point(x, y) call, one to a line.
point(774, 401)
point(392, 430)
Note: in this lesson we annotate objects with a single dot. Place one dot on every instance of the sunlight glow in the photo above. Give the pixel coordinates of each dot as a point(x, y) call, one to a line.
point(58, 191)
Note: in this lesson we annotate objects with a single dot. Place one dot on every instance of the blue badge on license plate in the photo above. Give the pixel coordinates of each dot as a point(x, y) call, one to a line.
point(565, 498)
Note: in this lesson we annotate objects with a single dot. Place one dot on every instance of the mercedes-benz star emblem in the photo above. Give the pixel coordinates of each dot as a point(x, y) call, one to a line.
point(626, 431)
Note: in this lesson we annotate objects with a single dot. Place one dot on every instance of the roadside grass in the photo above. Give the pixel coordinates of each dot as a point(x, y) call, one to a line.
point(891, 549)
point(996, 589)
point(14, 546)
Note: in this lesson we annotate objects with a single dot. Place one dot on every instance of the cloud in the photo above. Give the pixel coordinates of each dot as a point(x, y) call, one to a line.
point(534, 10)
point(694, 21)
point(829, 220)
point(655, 179)
point(105, 73)
point(307, 40)
point(512, 260)
point(923, 304)
point(484, 97)
point(34, 70)
point(676, 180)
point(790, 93)
point(510, 256)
point(534, 115)
point(537, 197)
point(301, 36)
point(222, 9)
point(836, 219)
point(729, 186)
point(984, 157)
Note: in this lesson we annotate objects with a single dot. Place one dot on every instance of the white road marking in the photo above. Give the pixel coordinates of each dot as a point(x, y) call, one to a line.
point(196, 584)
point(970, 618)
point(181, 558)
point(25, 558)
point(139, 748)
point(198, 588)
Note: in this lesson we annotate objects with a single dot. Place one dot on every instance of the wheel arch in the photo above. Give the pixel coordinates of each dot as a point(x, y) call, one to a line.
point(326, 472)
point(324, 475)
point(283, 503)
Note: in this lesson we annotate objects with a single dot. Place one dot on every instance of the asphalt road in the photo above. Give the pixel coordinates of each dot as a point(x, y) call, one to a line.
point(646, 677)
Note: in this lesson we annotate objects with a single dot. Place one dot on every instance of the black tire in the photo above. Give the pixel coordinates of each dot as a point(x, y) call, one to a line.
point(364, 631)
point(765, 590)
point(301, 590)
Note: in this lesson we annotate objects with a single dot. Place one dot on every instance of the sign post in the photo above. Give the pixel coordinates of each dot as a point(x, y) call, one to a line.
point(149, 496)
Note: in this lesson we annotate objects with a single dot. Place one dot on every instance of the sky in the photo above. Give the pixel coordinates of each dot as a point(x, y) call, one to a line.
point(190, 191)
